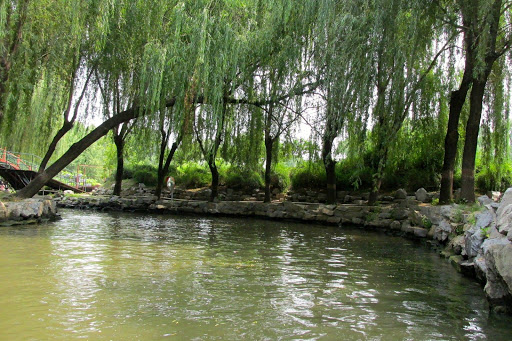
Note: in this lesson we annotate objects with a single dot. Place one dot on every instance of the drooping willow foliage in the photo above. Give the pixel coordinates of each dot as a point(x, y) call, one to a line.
point(372, 77)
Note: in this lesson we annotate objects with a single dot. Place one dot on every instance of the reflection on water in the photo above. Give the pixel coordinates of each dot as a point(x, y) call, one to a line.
point(125, 276)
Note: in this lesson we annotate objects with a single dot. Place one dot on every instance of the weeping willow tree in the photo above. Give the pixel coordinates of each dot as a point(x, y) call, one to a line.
point(342, 56)
point(494, 157)
point(35, 48)
point(403, 52)
point(486, 29)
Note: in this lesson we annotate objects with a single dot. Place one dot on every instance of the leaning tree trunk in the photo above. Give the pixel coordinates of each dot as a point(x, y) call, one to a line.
point(53, 145)
point(119, 142)
point(471, 140)
point(73, 152)
point(215, 179)
point(269, 142)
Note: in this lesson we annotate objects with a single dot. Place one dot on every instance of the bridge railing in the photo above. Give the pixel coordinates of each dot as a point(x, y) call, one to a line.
point(21, 161)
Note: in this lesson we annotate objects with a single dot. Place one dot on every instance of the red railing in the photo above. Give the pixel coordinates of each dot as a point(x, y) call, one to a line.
point(13, 161)
point(18, 161)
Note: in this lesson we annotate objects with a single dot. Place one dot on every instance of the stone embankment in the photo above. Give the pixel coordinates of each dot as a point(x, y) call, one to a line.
point(27, 211)
point(476, 239)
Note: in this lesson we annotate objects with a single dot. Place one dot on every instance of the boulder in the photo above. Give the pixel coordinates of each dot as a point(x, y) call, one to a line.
point(458, 245)
point(442, 231)
point(473, 241)
point(484, 200)
point(395, 225)
point(489, 243)
point(499, 277)
point(422, 195)
point(504, 218)
point(475, 236)
point(400, 213)
point(480, 269)
point(400, 194)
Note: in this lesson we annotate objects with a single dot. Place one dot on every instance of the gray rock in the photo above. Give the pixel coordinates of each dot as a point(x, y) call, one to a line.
point(499, 277)
point(506, 199)
point(473, 241)
point(475, 236)
point(458, 244)
point(395, 225)
point(400, 194)
point(484, 219)
point(400, 213)
point(442, 231)
point(480, 269)
point(484, 200)
point(420, 232)
point(504, 218)
point(422, 195)
point(488, 243)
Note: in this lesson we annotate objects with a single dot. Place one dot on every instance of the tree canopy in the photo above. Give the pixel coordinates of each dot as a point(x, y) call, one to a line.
point(238, 79)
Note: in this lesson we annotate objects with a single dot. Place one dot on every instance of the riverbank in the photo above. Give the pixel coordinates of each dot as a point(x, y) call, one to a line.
point(475, 239)
point(29, 211)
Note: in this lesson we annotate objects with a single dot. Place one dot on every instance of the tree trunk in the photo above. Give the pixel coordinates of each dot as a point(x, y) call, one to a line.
point(374, 193)
point(471, 141)
point(53, 145)
point(269, 142)
point(457, 100)
point(165, 169)
point(73, 152)
point(119, 142)
point(330, 171)
point(378, 174)
point(330, 168)
point(215, 179)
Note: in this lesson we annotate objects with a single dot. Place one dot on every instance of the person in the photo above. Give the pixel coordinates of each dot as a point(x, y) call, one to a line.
point(170, 185)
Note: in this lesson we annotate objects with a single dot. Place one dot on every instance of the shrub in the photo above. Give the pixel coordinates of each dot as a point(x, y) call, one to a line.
point(280, 177)
point(242, 179)
point(193, 175)
point(308, 175)
point(494, 178)
point(146, 174)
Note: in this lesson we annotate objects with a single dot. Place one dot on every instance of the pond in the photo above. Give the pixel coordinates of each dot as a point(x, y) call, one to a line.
point(102, 276)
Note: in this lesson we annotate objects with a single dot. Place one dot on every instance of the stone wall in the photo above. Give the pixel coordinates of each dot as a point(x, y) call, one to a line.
point(27, 211)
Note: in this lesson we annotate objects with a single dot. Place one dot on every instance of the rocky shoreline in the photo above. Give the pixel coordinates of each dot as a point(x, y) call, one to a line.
point(477, 239)
point(29, 211)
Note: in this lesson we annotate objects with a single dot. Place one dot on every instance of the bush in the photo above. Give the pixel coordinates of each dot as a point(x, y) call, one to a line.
point(350, 176)
point(280, 177)
point(241, 179)
point(146, 174)
point(193, 175)
point(308, 175)
point(494, 178)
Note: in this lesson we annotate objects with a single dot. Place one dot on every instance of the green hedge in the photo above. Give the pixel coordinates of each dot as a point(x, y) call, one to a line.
point(193, 175)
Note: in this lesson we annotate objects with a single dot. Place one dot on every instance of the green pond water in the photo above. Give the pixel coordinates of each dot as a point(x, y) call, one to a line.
point(99, 276)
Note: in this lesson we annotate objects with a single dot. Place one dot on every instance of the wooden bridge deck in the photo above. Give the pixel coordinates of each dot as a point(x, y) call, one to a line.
point(19, 178)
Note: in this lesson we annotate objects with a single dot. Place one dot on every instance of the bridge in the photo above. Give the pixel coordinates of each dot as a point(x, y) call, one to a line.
point(18, 172)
